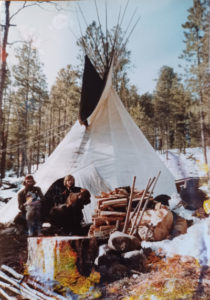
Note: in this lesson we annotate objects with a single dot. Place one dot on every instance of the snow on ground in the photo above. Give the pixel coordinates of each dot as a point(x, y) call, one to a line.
point(196, 242)
point(185, 165)
point(5, 192)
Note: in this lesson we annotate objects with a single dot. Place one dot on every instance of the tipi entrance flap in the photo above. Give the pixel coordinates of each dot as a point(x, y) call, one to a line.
point(104, 97)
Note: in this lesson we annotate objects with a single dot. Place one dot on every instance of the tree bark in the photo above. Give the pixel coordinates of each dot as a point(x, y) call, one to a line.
point(3, 72)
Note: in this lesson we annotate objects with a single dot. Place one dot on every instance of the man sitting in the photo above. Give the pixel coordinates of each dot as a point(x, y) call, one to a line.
point(67, 213)
point(30, 201)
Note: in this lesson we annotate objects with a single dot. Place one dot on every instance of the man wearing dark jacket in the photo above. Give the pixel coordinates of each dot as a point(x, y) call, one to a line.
point(69, 183)
point(67, 213)
point(30, 201)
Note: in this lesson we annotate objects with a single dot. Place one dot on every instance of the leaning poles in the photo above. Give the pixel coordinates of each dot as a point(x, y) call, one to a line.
point(145, 204)
point(129, 206)
point(139, 206)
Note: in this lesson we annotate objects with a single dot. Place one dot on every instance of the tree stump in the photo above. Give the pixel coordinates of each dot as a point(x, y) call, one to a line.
point(67, 260)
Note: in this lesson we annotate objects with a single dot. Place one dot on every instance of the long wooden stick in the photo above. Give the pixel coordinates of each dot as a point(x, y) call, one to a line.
point(12, 272)
point(145, 204)
point(139, 206)
point(129, 206)
point(47, 292)
point(5, 295)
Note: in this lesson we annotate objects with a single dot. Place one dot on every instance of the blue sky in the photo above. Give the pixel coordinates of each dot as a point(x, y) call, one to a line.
point(156, 41)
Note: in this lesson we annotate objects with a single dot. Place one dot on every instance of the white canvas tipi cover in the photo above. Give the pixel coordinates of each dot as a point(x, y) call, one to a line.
point(106, 154)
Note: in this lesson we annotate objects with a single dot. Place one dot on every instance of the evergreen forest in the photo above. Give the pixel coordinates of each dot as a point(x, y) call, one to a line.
point(34, 119)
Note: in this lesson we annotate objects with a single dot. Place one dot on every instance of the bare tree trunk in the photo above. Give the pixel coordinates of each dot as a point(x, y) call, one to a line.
point(202, 126)
point(50, 135)
point(202, 122)
point(18, 162)
point(4, 153)
point(39, 132)
point(30, 160)
point(3, 72)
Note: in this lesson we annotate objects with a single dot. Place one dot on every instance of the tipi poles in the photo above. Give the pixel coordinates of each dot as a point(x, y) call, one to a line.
point(90, 35)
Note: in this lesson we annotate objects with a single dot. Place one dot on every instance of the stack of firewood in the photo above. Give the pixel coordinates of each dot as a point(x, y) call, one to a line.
point(111, 210)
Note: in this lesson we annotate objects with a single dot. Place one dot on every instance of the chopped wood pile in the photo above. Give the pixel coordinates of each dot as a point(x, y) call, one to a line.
point(17, 286)
point(123, 209)
point(112, 208)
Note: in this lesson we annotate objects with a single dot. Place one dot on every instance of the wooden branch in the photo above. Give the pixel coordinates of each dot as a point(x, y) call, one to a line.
point(5, 295)
point(36, 293)
point(145, 205)
point(136, 208)
point(23, 289)
point(10, 44)
point(12, 272)
point(129, 206)
point(19, 289)
point(139, 206)
point(25, 6)
point(43, 289)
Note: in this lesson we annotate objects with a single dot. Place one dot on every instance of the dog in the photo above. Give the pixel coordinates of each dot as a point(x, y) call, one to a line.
point(33, 208)
point(69, 216)
point(78, 199)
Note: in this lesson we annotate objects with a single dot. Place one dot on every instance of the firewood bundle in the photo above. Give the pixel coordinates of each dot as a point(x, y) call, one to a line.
point(17, 286)
point(111, 210)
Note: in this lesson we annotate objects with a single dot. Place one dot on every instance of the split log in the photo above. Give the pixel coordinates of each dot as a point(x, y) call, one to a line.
point(123, 201)
point(108, 227)
point(119, 202)
point(112, 213)
point(110, 199)
point(106, 220)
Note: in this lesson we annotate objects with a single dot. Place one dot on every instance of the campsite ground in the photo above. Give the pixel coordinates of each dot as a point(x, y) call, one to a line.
point(171, 274)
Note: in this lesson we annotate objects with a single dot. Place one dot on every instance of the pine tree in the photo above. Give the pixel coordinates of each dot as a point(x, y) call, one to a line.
point(142, 111)
point(163, 107)
point(181, 116)
point(31, 94)
point(6, 112)
point(196, 30)
point(64, 105)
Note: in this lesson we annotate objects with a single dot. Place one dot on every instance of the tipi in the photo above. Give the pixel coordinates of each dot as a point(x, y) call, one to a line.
point(107, 152)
